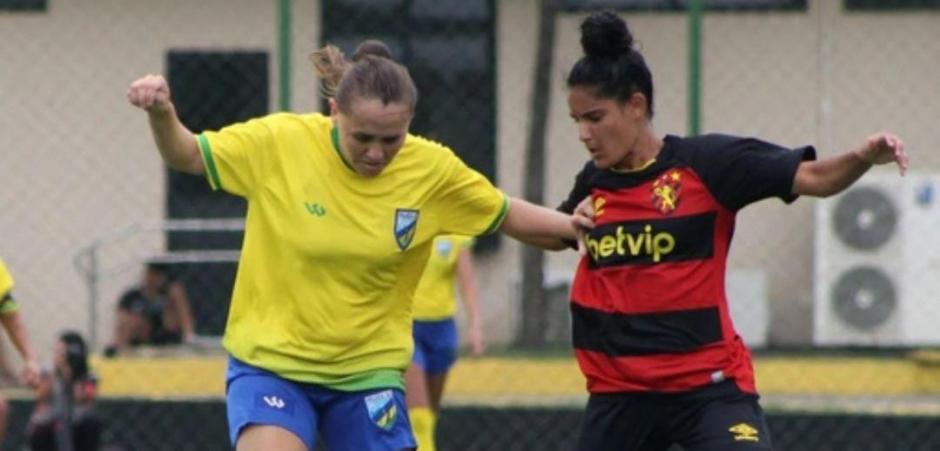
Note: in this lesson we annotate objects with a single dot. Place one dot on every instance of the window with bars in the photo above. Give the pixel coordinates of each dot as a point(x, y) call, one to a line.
point(22, 5)
point(681, 5)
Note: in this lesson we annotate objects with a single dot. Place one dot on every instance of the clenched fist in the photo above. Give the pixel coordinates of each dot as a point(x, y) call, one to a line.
point(150, 93)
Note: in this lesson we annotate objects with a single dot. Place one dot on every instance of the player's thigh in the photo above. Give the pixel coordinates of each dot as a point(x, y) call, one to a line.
point(736, 424)
point(416, 387)
point(372, 420)
point(613, 424)
point(262, 437)
point(255, 398)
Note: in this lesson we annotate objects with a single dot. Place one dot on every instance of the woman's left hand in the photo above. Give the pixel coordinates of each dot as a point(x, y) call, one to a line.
point(882, 148)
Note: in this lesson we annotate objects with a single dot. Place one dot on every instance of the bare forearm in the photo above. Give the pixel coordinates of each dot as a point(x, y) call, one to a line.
point(829, 176)
point(180, 301)
point(176, 143)
point(16, 331)
point(832, 175)
point(538, 226)
point(466, 281)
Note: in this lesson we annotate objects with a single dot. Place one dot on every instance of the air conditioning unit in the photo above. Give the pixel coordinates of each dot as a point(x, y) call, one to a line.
point(877, 263)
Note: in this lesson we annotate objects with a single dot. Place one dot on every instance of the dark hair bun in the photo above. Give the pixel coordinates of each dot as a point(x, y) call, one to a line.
point(372, 47)
point(605, 35)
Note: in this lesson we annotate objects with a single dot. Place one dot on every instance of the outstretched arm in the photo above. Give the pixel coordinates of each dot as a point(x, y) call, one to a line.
point(176, 143)
point(537, 225)
point(832, 175)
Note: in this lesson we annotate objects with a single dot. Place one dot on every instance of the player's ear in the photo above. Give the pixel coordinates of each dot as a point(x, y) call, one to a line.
point(333, 108)
point(637, 104)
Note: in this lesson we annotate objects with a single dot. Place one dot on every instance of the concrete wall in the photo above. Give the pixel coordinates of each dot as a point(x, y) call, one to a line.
point(77, 162)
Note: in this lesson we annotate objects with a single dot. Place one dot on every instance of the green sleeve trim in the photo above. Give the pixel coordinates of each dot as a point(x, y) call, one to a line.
point(8, 304)
point(334, 136)
point(212, 174)
point(499, 217)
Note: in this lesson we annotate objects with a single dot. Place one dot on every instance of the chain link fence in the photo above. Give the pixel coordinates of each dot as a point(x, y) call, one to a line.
point(837, 297)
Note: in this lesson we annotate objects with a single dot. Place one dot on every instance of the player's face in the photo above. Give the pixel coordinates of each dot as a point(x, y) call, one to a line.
point(153, 280)
point(608, 128)
point(371, 133)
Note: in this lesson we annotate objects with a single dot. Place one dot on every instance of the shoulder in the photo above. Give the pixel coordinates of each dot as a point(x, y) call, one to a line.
point(431, 155)
point(714, 148)
point(294, 121)
point(283, 121)
point(587, 175)
point(428, 147)
point(705, 143)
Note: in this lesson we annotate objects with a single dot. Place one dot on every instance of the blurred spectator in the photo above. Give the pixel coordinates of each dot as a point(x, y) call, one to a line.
point(66, 395)
point(155, 312)
point(10, 318)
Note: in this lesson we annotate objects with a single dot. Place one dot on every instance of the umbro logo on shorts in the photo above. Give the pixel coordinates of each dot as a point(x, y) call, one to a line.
point(270, 401)
point(274, 401)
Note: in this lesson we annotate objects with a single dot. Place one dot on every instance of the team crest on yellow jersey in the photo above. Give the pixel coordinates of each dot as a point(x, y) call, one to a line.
point(743, 432)
point(406, 222)
point(666, 192)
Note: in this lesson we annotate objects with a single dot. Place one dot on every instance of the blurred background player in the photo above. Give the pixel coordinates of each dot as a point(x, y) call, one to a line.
point(435, 331)
point(155, 312)
point(13, 325)
point(66, 395)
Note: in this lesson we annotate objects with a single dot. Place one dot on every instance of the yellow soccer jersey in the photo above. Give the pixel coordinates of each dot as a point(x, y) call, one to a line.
point(435, 298)
point(331, 259)
point(7, 304)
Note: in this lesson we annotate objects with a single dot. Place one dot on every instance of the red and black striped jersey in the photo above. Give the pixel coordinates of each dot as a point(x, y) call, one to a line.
point(648, 302)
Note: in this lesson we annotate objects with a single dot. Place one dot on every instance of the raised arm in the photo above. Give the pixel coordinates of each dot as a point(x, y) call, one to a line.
point(537, 226)
point(177, 145)
point(832, 175)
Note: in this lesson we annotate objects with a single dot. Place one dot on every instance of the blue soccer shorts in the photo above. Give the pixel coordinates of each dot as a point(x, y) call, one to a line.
point(435, 345)
point(371, 420)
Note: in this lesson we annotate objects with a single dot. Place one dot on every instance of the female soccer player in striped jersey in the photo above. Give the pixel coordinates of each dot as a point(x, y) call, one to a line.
point(342, 211)
point(651, 328)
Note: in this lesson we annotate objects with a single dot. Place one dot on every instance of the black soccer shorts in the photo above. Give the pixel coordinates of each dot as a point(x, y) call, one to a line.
point(717, 418)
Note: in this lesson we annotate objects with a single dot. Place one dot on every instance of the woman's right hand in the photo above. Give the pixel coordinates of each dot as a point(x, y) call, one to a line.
point(150, 93)
point(31, 373)
point(583, 220)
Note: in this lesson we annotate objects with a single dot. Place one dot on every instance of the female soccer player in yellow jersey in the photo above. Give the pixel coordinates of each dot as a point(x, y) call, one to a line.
point(342, 211)
point(435, 331)
point(10, 318)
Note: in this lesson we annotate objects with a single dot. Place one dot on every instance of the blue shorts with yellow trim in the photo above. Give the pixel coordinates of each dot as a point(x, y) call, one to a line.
point(435, 345)
point(371, 420)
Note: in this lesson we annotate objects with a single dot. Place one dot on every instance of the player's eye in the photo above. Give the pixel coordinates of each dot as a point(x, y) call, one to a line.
point(363, 138)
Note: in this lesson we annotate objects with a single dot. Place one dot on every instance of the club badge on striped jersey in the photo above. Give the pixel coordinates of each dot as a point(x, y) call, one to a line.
point(666, 190)
point(406, 222)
